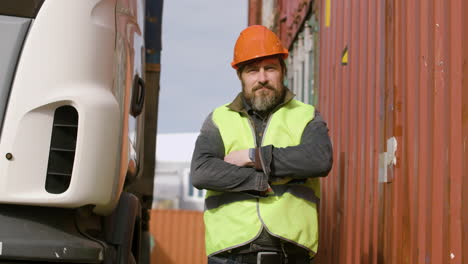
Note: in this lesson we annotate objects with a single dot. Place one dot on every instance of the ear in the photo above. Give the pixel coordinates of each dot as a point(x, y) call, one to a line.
point(239, 73)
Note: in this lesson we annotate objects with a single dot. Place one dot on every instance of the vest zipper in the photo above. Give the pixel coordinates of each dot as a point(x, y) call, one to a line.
point(265, 169)
point(252, 128)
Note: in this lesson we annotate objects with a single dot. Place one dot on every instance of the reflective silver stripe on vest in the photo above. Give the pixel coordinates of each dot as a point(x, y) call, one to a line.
point(297, 190)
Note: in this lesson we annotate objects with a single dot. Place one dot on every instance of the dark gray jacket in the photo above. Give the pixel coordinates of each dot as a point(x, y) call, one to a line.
point(311, 158)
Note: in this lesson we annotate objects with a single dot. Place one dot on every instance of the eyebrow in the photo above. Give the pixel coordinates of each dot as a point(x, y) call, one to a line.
point(257, 65)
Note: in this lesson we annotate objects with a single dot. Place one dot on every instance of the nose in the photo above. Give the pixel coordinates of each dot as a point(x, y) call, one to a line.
point(262, 78)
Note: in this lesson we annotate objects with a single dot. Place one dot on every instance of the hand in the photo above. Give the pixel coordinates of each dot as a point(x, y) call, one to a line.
point(239, 158)
point(267, 192)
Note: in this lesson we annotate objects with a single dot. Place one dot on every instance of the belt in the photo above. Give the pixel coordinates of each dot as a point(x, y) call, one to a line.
point(262, 257)
point(266, 257)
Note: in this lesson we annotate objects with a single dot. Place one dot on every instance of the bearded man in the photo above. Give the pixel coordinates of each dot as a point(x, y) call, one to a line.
point(260, 158)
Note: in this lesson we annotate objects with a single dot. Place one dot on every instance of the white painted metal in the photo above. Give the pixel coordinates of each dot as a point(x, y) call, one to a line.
point(308, 64)
point(387, 159)
point(67, 59)
point(300, 73)
point(268, 13)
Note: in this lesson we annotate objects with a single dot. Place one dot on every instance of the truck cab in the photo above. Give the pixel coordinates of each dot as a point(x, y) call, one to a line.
point(73, 87)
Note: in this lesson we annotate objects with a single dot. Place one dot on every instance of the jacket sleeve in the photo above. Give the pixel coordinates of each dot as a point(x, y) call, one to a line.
point(210, 171)
point(313, 157)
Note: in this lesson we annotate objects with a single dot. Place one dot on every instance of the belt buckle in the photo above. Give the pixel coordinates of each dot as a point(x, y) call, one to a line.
point(268, 257)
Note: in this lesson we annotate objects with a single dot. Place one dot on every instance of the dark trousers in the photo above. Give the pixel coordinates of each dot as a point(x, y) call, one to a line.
point(220, 260)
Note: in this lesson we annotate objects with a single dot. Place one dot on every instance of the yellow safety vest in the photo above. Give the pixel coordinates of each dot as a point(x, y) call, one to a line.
point(233, 219)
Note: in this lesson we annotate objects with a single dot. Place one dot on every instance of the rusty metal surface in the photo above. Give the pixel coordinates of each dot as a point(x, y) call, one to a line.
point(292, 14)
point(406, 78)
point(464, 99)
point(255, 12)
point(348, 213)
point(179, 237)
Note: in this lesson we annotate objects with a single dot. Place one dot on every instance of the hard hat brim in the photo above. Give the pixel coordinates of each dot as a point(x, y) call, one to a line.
point(235, 64)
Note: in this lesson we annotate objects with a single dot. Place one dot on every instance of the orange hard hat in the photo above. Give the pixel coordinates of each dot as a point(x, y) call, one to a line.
point(256, 42)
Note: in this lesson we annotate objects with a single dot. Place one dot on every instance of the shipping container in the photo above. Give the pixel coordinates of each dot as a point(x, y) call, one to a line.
point(392, 84)
point(179, 237)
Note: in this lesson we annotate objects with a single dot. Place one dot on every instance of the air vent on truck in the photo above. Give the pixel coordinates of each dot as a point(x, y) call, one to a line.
point(62, 149)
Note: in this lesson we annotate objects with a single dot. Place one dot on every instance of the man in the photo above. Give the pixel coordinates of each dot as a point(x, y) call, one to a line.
point(260, 157)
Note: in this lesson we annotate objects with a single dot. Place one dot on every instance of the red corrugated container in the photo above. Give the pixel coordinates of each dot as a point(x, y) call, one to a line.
point(406, 79)
point(352, 103)
point(406, 82)
point(179, 237)
point(255, 12)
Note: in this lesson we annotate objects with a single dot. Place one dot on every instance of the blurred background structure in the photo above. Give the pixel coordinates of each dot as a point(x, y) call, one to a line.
point(390, 78)
point(174, 190)
point(196, 77)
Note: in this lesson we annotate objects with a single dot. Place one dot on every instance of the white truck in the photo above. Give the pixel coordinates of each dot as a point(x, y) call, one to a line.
point(75, 113)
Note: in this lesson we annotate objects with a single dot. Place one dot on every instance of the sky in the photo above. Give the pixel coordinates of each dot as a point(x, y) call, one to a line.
point(198, 39)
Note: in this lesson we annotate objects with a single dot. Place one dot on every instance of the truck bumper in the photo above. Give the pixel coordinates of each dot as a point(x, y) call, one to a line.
point(44, 234)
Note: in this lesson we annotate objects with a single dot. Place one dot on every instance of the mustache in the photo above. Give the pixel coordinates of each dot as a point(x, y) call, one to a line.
point(260, 86)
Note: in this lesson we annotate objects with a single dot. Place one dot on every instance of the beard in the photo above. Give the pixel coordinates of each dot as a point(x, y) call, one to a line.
point(265, 100)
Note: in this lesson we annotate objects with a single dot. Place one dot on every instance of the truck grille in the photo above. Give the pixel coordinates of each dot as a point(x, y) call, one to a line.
point(62, 149)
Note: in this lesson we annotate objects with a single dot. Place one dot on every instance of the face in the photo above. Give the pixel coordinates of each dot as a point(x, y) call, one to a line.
point(262, 84)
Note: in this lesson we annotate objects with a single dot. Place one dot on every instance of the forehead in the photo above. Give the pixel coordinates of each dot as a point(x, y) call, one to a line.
point(263, 61)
